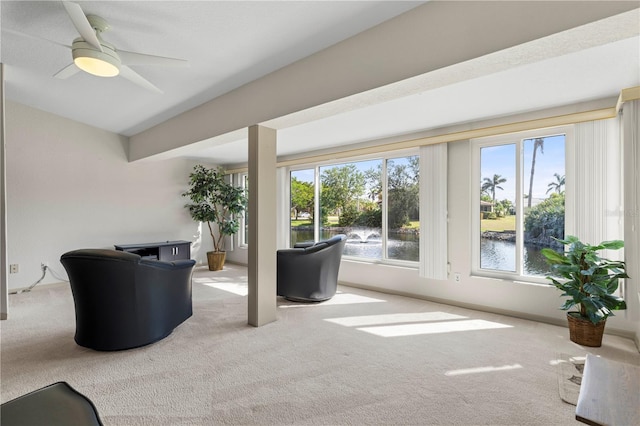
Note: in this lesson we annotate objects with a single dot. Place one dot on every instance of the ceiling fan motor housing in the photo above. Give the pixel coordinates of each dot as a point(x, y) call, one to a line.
point(88, 58)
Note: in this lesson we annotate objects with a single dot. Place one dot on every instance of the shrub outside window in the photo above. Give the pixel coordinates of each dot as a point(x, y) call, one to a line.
point(374, 202)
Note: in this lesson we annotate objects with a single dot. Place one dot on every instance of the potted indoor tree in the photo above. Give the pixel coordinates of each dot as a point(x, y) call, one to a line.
point(590, 283)
point(214, 200)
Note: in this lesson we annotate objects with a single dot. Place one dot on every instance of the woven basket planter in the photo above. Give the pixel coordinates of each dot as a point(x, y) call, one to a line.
point(216, 259)
point(584, 332)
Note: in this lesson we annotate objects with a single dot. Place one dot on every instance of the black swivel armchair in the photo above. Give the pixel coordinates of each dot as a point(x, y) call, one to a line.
point(309, 272)
point(123, 301)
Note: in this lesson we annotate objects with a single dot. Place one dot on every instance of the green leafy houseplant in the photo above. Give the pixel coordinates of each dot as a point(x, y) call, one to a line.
point(214, 200)
point(589, 280)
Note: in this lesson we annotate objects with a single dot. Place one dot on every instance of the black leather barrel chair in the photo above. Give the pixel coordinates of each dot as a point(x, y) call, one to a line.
point(308, 272)
point(123, 301)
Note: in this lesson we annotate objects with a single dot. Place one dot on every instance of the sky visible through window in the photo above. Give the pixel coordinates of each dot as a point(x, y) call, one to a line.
point(501, 160)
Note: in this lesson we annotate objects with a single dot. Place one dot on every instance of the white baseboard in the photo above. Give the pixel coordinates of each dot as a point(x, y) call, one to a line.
point(37, 287)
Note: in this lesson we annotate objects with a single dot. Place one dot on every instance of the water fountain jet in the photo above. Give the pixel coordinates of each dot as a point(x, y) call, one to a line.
point(363, 234)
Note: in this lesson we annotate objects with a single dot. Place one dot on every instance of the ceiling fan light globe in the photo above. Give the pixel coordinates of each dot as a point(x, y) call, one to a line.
point(93, 61)
point(96, 67)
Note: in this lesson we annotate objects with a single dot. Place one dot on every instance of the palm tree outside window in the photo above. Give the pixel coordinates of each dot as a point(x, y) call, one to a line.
point(523, 181)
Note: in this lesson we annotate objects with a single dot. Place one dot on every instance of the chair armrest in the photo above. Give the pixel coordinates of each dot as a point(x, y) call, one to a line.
point(316, 247)
point(303, 245)
point(173, 265)
point(301, 251)
point(290, 252)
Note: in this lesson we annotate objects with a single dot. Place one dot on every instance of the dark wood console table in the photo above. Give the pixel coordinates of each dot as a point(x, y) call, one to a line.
point(166, 250)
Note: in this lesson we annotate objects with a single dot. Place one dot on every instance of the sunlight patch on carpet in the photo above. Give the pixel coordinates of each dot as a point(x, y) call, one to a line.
point(432, 328)
point(240, 289)
point(338, 299)
point(365, 320)
point(477, 370)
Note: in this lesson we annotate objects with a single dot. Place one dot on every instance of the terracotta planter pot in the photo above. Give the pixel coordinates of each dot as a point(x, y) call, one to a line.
point(216, 259)
point(584, 332)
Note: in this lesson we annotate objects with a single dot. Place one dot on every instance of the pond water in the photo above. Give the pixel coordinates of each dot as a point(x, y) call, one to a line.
point(368, 244)
point(501, 255)
point(495, 254)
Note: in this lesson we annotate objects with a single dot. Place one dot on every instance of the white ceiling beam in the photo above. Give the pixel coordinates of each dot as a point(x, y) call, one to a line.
point(435, 35)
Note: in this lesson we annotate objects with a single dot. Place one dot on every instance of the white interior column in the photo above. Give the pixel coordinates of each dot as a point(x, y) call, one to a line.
point(631, 141)
point(262, 225)
point(4, 267)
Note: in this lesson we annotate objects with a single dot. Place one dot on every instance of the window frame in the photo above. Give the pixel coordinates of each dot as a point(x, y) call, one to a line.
point(383, 157)
point(243, 235)
point(518, 139)
point(385, 208)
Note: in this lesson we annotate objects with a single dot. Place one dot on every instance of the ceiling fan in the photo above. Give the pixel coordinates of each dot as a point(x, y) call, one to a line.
point(95, 56)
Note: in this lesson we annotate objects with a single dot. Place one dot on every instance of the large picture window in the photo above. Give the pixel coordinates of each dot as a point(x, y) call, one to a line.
point(403, 209)
point(244, 221)
point(374, 202)
point(519, 206)
point(303, 206)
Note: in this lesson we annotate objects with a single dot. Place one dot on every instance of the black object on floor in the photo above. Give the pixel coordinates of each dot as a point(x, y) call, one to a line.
point(123, 301)
point(54, 405)
point(309, 272)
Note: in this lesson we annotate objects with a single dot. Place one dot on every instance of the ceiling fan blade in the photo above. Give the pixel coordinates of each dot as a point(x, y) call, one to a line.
point(82, 24)
point(21, 34)
point(136, 78)
point(132, 58)
point(67, 71)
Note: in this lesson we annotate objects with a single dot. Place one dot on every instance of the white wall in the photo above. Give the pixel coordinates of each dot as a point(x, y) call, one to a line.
point(239, 255)
point(538, 302)
point(71, 186)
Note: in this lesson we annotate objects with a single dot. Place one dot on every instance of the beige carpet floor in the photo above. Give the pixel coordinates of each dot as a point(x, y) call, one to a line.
point(361, 358)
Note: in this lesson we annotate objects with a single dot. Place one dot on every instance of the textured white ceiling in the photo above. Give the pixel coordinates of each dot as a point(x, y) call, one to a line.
point(228, 43)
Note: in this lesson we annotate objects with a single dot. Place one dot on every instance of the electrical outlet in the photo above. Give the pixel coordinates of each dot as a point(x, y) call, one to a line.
point(456, 277)
point(13, 268)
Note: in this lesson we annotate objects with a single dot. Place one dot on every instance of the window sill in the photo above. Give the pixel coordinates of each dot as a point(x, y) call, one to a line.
point(387, 262)
point(512, 278)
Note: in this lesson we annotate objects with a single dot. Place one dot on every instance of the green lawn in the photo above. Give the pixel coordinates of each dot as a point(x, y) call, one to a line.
point(301, 222)
point(414, 224)
point(333, 220)
point(507, 223)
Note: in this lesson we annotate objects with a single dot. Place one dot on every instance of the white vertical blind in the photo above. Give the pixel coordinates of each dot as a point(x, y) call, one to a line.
point(433, 211)
point(598, 183)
